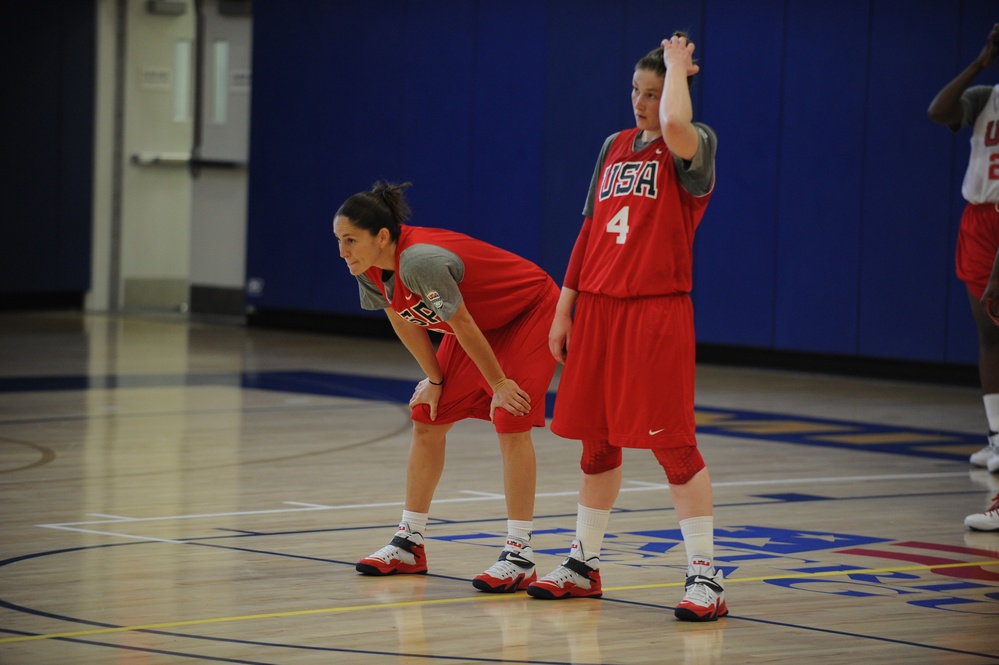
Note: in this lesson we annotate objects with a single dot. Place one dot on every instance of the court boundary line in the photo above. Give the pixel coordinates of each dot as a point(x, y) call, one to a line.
point(475, 496)
point(466, 599)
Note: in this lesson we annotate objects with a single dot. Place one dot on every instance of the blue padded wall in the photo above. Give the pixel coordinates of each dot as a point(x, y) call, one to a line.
point(586, 95)
point(349, 93)
point(46, 188)
point(292, 149)
point(506, 122)
point(832, 226)
point(735, 254)
point(906, 193)
point(819, 186)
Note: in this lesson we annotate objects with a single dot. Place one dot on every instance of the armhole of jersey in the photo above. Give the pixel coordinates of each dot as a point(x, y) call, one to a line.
point(370, 294)
point(973, 102)
point(709, 141)
point(598, 168)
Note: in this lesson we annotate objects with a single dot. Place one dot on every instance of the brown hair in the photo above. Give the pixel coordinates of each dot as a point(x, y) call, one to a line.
point(384, 206)
point(653, 60)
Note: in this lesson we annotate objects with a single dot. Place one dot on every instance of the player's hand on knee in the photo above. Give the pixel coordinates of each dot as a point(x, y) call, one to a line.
point(426, 393)
point(511, 397)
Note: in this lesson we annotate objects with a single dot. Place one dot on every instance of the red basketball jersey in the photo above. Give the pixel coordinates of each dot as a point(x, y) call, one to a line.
point(497, 286)
point(639, 241)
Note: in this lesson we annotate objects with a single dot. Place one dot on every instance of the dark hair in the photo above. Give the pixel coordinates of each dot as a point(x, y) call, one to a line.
point(382, 207)
point(653, 60)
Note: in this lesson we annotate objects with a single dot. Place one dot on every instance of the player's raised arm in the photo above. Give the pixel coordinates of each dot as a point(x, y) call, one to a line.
point(945, 109)
point(676, 112)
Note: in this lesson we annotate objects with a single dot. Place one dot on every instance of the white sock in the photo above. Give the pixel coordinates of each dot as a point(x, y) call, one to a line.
point(520, 529)
point(699, 538)
point(591, 525)
point(417, 521)
point(992, 410)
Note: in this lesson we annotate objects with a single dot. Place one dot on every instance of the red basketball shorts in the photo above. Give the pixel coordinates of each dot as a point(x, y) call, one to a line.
point(629, 372)
point(977, 243)
point(522, 350)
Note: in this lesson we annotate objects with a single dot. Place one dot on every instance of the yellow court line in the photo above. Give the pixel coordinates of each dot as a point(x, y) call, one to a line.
point(244, 617)
point(826, 573)
point(466, 599)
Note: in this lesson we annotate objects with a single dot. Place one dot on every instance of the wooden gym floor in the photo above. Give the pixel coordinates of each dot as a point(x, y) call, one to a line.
point(176, 491)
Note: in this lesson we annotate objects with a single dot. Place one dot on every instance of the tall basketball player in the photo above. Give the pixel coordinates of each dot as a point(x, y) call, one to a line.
point(629, 370)
point(960, 104)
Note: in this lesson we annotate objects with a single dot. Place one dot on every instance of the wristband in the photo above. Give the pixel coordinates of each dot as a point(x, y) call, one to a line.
point(435, 384)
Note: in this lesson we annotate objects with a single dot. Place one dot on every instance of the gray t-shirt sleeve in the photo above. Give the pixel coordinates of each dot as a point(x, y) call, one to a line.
point(696, 176)
point(973, 100)
point(433, 273)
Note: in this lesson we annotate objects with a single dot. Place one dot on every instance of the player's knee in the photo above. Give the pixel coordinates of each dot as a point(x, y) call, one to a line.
point(599, 456)
point(680, 464)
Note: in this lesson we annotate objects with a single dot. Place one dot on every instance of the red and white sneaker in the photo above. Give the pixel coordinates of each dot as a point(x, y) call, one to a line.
point(577, 577)
point(404, 554)
point(705, 596)
point(986, 521)
point(513, 572)
point(988, 457)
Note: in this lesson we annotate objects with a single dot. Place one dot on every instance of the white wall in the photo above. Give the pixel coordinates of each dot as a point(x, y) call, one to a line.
point(218, 215)
point(157, 229)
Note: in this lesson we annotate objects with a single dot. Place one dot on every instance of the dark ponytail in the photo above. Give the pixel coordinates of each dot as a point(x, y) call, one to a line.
point(384, 206)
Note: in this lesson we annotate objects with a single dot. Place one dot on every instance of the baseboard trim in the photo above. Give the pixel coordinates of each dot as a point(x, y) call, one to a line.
point(352, 326)
point(711, 354)
point(217, 300)
point(24, 302)
point(858, 366)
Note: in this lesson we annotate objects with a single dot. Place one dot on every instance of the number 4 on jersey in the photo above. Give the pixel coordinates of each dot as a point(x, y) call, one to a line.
point(619, 225)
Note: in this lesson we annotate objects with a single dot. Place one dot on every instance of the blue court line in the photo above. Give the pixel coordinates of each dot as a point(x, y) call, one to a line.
point(343, 650)
point(164, 652)
point(832, 433)
point(828, 631)
point(761, 426)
